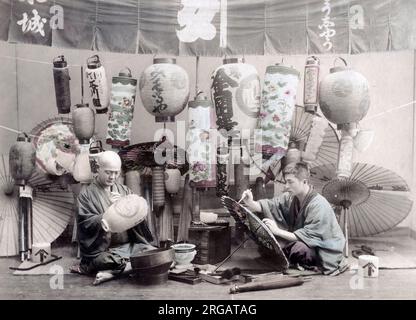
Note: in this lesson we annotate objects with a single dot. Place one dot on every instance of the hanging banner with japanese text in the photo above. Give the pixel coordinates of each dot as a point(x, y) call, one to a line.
point(30, 22)
point(212, 27)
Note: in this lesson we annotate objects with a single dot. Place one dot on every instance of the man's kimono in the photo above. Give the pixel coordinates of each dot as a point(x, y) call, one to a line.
point(102, 250)
point(314, 224)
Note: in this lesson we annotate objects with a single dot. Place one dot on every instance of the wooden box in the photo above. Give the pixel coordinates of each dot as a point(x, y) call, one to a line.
point(213, 243)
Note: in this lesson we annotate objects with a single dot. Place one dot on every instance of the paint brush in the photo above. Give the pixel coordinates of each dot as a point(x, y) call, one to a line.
point(243, 196)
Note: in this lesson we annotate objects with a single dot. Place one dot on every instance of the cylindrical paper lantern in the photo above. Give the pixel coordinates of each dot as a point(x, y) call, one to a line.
point(123, 96)
point(61, 80)
point(158, 187)
point(96, 148)
point(345, 154)
point(97, 80)
point(316, 136)
point(235, 92)
point(22, 159)
point(201, 155)
point(278, 102)
point(164, 89)
point(25, 222)
point(311, 84)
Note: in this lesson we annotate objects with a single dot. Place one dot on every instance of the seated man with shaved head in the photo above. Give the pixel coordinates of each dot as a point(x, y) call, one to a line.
point(104, 253)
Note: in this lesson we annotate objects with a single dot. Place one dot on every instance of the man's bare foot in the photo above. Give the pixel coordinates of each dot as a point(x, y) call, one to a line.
point(103, 276)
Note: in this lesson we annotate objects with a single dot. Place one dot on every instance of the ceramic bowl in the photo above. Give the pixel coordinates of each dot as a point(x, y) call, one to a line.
point(183, 247)
point(184, 253)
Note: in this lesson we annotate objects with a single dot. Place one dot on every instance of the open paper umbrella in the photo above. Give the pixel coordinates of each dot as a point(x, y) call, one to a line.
point(52, 209)
point(299, 134)
point(257, 230)
point(52, 138)
point(141, 155)
point(373, 199)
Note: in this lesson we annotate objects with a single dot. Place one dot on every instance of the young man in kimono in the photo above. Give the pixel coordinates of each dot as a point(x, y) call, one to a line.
point(103, 253)
point(303, 222)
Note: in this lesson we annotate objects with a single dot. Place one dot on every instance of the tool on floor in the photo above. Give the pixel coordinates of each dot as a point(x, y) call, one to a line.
point(54, 258)
point(267, 284)
point(189, 277)
point(364, 250)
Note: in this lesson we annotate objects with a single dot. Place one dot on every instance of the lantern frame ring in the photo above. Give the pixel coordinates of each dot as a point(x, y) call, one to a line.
point(342, 59)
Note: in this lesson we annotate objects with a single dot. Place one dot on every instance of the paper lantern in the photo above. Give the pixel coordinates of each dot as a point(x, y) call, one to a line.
point(96, 148)
point(293, 155)
point(61, 81)
point(278, 103)
point(123, 96)
point(164, 89)
point(125, 213)
point(97, 80)
point(311, 84)
point(84, 123)
point(316, 136)
point(344, 96)
point(172, 180)
point(345, 154)
point(22, 159)
point(25, 222)
point(235, 92)
point(158, 187)
point(82, 169)
point(201, 155)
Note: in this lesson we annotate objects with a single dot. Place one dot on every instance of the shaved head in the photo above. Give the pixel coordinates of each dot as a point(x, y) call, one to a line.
point(109, 160)
point(109, 168)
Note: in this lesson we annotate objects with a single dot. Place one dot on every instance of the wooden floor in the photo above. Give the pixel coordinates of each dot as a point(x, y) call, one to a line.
point(391, 284)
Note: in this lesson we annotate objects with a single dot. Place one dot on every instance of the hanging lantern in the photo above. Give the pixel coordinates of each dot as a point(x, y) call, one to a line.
point(201, 155)
point(158, 187)
point(293, 154)
point(61, 80)
point(316, 136)
point(25, 222)
point(84, 123)
point(96, 148)
point(345, 154)
point(172, 180)
point(97, 80)
point(22, 159)
point(82, 169)
point(278, 103)
point(164, 89)
point(123, 96)
point(223, 157)
point(311, 85)
point(236, 94)
point(343, 96)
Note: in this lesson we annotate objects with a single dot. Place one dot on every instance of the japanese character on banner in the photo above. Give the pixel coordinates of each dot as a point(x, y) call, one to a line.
point(327, 25)
point(35, 24)
point(195, 20)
